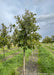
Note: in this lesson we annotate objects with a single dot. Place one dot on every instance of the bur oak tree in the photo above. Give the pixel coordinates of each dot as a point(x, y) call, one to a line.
point(27, 28)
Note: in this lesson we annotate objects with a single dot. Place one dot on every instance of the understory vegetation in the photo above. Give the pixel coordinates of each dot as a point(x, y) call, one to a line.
point(13, 66)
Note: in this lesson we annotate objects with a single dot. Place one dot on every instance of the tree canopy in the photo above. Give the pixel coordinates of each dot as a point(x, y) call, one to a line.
point(27, 28)
point(3, 35)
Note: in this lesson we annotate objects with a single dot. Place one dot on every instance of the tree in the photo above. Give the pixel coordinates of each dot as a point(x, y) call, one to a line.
point(9, 41)
point(26, 27)
point(52, 38)
point(3, 37)
point(47, 39)
point(35, 42)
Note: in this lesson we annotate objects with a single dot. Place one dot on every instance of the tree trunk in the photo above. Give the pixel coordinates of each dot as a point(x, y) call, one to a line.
point(23, 62)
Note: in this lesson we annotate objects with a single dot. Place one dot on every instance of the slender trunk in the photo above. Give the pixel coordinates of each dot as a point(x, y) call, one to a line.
point(3, 54)
point(23, 62)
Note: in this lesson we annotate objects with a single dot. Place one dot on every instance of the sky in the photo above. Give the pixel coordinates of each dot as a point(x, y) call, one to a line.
point(43, 8)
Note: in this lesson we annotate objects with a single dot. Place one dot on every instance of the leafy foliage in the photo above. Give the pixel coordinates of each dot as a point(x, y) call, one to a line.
point(15, 36)
point(27, 29)
point(3, 35)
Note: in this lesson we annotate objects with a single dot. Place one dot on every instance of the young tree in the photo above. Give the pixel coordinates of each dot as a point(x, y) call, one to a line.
point(4, 40)
point(4, 37)
point(26, 27)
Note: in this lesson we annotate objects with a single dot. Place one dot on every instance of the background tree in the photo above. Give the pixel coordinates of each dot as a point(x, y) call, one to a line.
point(35, 38)
point(26, 27)
point(52, 37)
point(3, 37)
point(47, 39)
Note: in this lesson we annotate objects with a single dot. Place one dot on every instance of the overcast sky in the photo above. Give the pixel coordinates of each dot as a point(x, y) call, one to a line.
point(43, 8)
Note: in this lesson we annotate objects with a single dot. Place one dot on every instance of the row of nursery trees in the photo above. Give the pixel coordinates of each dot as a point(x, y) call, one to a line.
point(25, 34)
point(48, 39)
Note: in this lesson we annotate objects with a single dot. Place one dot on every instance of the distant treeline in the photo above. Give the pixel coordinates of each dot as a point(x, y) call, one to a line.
point(48, 39)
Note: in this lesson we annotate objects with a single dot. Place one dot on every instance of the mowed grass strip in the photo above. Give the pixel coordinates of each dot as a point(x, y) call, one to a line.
point(46, 61)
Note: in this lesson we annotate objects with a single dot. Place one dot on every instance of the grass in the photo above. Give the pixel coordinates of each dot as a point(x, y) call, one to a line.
point(10, 53)
point(9, 67)
point(50, 47)
point(45, 61)
point(14, 65)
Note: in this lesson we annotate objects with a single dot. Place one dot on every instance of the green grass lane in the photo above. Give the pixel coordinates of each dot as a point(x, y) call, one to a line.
point(48, 47)
point(45, 61)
